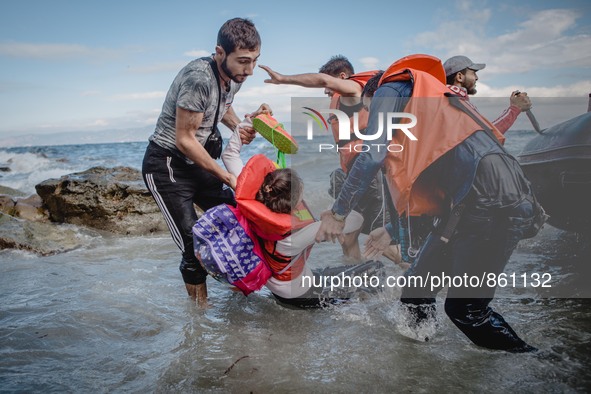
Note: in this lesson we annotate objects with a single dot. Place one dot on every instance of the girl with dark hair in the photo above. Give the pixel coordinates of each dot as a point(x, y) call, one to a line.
point(271, 199)
point(280, 189)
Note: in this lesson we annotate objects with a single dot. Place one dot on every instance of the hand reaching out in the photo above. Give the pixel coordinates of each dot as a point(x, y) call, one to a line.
point(274, 76)
point(376, 243)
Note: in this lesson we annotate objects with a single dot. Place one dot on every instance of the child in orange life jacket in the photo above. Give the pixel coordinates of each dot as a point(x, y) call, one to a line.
point(281, 192)
point(292, 281)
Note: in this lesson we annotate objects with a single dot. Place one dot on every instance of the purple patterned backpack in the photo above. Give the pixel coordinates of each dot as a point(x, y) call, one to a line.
point(228, 249)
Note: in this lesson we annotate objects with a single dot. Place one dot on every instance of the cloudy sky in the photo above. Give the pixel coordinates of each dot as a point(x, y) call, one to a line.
point(88, 66)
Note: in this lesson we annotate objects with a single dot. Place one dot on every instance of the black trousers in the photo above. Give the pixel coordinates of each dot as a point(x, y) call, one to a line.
point(176, 186)
point(480, 248)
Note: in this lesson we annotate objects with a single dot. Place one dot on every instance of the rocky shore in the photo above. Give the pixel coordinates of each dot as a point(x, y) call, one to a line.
point(66, 210)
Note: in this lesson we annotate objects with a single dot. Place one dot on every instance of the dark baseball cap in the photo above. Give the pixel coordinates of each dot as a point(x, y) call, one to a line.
point(458, 63)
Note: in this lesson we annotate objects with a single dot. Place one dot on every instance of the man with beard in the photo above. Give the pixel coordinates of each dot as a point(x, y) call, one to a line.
point(179, 166)
point(460, 72)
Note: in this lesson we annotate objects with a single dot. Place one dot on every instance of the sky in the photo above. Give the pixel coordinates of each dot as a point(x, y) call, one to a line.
point(91, 66)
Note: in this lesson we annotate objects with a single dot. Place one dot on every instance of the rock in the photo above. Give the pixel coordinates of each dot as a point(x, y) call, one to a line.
point(31, 208)
point(11, 192)
point(110, 199)
point(40, 238)
point(7, 204)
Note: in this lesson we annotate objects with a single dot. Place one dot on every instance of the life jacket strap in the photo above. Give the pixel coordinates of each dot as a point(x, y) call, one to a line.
point(280, 155)
point(293, 261)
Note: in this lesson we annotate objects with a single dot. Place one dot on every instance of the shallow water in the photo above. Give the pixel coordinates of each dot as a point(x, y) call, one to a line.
point(115, 317)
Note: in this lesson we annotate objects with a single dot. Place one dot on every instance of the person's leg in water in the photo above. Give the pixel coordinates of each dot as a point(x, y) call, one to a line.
point(370, 206)
point(483, 326)
point(484, 242)
point(176, 186)
point(418, 296)
point(350, 245)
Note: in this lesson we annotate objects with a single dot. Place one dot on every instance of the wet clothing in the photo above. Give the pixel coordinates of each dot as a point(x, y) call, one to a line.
point(483, 242)
point(175, 182)
point(499, 182)
point(496, 216)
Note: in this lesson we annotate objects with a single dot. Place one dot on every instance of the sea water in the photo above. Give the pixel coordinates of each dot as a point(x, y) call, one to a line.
point(114, 315)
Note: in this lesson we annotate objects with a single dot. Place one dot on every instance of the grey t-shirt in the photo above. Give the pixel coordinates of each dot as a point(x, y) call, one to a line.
point(195, 89)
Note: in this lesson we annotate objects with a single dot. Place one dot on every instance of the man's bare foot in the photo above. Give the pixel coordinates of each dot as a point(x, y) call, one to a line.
point(198, 293)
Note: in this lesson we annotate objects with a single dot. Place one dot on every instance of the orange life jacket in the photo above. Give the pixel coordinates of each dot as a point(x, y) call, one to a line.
point(347, 151)
point(440, 127)
point(270, 226)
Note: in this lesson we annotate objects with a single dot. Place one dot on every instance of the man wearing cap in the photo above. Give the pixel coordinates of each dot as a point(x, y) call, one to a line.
point(460, 72)
point(456, 169)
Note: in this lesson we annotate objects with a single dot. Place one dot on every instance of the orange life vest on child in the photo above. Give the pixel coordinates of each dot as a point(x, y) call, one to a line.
point(270, 226)
point(440, 127)
point(347, 151)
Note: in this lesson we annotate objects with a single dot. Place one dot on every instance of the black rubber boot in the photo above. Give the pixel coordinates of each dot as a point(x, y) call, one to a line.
point(483, 326)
